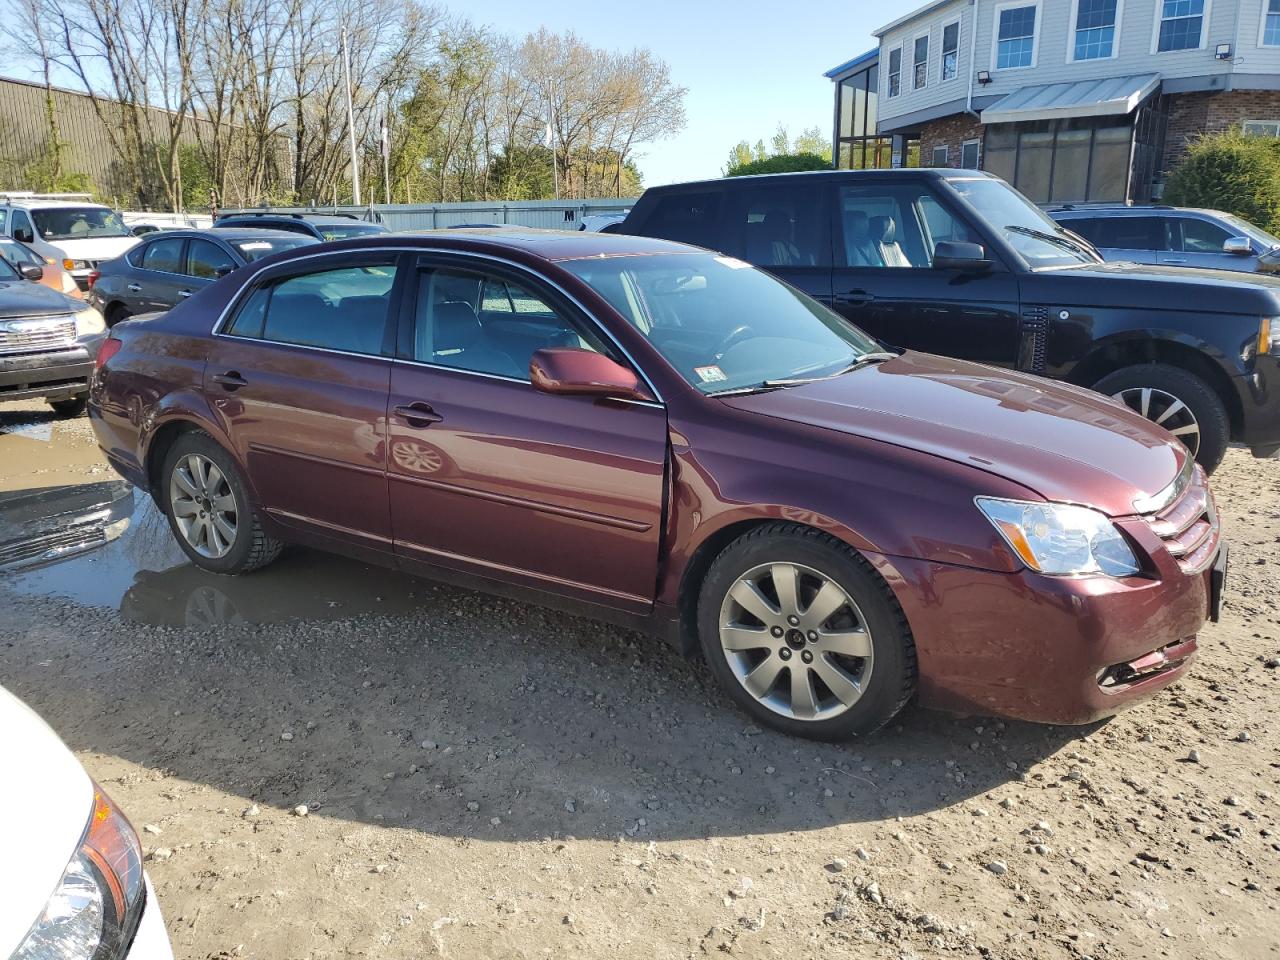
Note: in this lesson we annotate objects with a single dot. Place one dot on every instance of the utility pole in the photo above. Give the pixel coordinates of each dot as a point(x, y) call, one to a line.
point(386, 157)
point(351, 121)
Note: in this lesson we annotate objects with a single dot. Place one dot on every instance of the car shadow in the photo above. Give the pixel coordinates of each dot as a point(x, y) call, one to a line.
point(377, 697)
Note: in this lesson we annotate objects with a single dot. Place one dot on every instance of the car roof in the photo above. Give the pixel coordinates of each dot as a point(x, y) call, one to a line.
point(897, 173)
point(295, 217)
point(35, 203)
point(227, 234)
point(1123, 209)
point(550, 245)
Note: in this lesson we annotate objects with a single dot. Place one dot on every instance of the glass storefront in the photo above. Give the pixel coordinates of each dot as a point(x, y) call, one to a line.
point(1060, 161)
point(858, 147)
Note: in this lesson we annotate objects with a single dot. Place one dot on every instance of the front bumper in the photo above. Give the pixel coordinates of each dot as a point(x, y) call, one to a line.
point(1046, 649)
point(150, 942)
point(1259, 395)
point(54, 374)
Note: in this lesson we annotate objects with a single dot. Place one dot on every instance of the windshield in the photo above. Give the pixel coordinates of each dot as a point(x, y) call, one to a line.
point(1256, 234)
point(723, 324)
point(78, 223)
point(1042, 242)
point(7, 271)
point(341, 231)
point(256, 249)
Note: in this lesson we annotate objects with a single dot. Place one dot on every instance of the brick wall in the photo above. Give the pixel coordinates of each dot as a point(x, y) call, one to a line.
point(950, 131)
point(1191, 114)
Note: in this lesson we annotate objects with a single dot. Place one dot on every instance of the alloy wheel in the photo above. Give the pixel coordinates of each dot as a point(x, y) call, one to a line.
point(1165, 409)
point(204, 506)
point(796, 641)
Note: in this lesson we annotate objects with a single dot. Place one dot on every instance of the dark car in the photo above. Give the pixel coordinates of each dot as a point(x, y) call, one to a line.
point(170, 265)
point(672, 440)
point(337, 226)
point(1173, 236)
point(957, 262)
point(48, 341)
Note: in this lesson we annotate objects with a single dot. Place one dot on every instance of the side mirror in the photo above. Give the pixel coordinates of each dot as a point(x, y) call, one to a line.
point(23, 235)
point(1239, 246)
point(573, 371)
point(31, 271)
point(958, 255)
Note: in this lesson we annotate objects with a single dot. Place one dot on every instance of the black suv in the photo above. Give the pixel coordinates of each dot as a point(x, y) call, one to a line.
point(957, 262)
point(322, 226)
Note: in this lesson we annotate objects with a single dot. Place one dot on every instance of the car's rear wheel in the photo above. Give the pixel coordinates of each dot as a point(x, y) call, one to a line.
point(70, 407)
point(1177, 400)
point(209, 509)
point(805, 635)
point(115, 313)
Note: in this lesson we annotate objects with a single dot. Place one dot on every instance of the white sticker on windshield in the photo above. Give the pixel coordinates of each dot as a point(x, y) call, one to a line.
point(733, 263)
point(710, 373)
point(257, 245)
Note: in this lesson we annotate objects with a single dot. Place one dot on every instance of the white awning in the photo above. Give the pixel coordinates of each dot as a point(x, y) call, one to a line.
point(1113, 96)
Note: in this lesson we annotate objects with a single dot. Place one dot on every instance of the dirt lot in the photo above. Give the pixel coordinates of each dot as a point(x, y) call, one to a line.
point(486, 779)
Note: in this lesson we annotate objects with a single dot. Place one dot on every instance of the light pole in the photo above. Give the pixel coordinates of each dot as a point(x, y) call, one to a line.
point(351, 120)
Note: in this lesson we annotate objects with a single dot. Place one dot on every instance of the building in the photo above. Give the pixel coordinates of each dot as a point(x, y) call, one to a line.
point(1069, 100)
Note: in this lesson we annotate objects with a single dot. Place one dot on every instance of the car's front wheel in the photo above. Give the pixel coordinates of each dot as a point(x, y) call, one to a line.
point(209, 509)
point(1177, 400)
point(805, 635)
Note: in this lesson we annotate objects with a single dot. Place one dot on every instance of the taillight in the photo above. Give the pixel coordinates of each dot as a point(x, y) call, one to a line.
point(110, 347)
point(92, 278)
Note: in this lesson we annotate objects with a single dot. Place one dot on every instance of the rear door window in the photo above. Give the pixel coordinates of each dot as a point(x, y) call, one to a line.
point(164, 256)
point(782, 225)
point(687, 217)
point(1130, 233)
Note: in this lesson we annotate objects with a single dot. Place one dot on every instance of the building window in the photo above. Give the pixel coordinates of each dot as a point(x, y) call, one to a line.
point(895, 72)
point(951, 49)
point(1062, 161)
point(921, 62)
point(858, 147)
point(1016, 36)
point(1262, 128)
point(941, 155)
point(1181, 25)
point(1271, 24)
point(1095, 29)
point(970, 154)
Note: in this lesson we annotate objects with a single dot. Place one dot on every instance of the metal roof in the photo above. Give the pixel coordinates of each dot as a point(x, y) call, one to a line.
point(1112, 96)
point(849, 65)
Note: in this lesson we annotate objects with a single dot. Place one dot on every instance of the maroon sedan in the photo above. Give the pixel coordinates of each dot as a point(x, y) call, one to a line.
point(670, 439)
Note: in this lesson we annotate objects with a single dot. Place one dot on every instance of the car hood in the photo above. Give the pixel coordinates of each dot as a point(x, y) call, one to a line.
point(1064, 443)
point(1152, 287)
point(94, 248)
point(45, 801)
point(22, 298)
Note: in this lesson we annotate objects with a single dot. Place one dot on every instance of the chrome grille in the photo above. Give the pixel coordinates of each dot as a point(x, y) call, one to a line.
point(1189, 525)
point(31, 334)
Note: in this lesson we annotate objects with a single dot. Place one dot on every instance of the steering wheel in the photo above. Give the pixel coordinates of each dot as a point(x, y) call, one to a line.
point(740, 332)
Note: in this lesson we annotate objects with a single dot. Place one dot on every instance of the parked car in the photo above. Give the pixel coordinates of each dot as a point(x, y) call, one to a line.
point(52, 274)
point(957, 262)
point(67, 228)
point(602, 222)
point(45, 526)
point(47, 341)
point(171, 265)
point(671, 439)
point(1173, 236)
point(74, 885)
point(338, 226)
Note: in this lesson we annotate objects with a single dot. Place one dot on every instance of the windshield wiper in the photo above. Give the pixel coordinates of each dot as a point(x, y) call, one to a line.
point(878, 356)
point(1060, 241)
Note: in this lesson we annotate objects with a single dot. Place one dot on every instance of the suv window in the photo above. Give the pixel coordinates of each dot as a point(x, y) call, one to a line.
point(1201, 236)
point(164, 255)
point(21, 223)
point(343, 309)
point(470, 320)
point(205, 259)
point(784, 226)
point(687, 217)
point(895, 226)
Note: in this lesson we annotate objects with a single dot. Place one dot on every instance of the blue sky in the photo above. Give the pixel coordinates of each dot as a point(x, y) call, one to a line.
point(748, 65)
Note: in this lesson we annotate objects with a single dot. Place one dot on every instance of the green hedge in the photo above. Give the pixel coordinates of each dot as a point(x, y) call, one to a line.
point(782, 163)
point(1232, 172)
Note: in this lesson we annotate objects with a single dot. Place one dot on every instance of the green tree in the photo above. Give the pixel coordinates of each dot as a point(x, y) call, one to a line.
point(1233, 172)
point(786, 163)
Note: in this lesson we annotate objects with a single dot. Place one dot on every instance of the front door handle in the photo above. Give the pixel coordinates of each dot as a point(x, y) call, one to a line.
point(185, 293)
point(1171, 260)
point(854, 298)
point(134, 287)
point(231, 380)
point(417, 414)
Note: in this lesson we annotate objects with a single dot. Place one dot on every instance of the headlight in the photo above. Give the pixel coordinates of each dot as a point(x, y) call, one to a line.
point(1060, 539)
point(74, 265)
point(89, 321)
point(95, 910)
point(1269, 335)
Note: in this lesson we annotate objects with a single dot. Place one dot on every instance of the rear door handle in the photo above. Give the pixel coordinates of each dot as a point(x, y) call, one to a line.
point(134, 287)
point(231, 380)
point(417, 414)
point(854, 297)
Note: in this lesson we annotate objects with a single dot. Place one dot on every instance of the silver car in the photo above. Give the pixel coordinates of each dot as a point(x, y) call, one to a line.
point(1177, 236)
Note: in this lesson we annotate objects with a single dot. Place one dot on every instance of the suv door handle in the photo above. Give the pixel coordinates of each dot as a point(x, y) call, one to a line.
point(231, 380)
point(134, 287)
point(854, 297)
point(417, 414)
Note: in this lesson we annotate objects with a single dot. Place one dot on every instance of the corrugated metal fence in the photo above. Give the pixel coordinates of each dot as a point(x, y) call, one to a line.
point(545, 214)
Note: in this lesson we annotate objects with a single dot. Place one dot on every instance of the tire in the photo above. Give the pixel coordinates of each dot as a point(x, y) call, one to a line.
point(886, 678)
point(211, 516)
point(71, 407)
point(1201, 423)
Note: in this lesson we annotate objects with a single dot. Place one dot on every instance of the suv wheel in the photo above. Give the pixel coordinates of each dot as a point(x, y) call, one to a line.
point(805, 635)
point(71, 407)
point(209, 510)
point(1180, 402)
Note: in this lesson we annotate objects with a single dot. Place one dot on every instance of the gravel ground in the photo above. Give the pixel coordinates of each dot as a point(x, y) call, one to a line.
point(346, 762)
